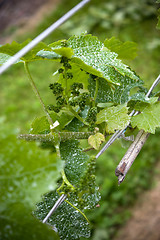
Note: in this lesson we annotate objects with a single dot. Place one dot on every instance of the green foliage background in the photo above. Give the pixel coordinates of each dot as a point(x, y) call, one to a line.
point(19, 107)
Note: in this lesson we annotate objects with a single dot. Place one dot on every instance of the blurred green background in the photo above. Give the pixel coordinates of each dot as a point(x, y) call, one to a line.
point(128, 21)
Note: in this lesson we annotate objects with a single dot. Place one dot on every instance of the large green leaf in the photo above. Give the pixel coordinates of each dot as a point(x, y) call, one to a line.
point(70, 220)
point(5, 57)
point(127, 50)
point(26, 172)
point(14, 47)
point(116, 118)
point(148, 119)
point(17, 223)
point(91, 55)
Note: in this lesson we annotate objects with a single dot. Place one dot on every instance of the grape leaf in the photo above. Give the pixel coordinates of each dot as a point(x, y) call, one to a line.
point(14, 47)
point(113, 93)
point(127, 50)
point(17, 223)
point(80, 171)
point(26, 171)
point(90, 55)
point(69, 222)
point(116, 118)
point(64, 51)
point(148, 119)
point(75, 160)
point(40, 126)
point(5, 57)
point(48, 55)
point(96, 140)
point(140, 96)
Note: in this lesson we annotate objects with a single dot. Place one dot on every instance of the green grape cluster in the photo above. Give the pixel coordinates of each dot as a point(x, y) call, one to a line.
point(77, 98)
point(75, 87)
point(87, 182)
point(92, 117)
point(65, 62)
point(57, 90)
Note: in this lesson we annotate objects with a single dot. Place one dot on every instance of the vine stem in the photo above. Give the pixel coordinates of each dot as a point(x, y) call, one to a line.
point(78, 210)
point(37, 92)
point(52, 137)
point(65, 180)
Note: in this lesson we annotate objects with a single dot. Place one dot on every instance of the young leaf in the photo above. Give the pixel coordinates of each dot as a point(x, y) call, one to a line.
point(14, 47)
point(116, 118)
point(127, 50)
point(148, 119)
point(48, 55)
point(40, 126)
point(96, 140)
point(64, 51)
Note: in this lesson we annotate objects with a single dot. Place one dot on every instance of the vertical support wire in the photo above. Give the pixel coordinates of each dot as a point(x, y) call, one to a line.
point(41, 36)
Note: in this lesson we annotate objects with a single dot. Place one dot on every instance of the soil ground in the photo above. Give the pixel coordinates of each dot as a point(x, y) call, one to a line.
point(20, 16)
point(145, 221)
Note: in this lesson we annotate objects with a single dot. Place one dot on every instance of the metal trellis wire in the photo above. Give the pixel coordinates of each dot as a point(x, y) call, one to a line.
point(41, 36)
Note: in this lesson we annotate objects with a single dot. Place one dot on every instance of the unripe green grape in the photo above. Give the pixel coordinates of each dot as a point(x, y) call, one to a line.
point(56, 88)
point(61, 101)
point(60, 70)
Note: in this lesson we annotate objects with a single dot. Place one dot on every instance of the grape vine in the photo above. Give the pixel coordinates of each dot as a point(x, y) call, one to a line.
point(91, 100)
